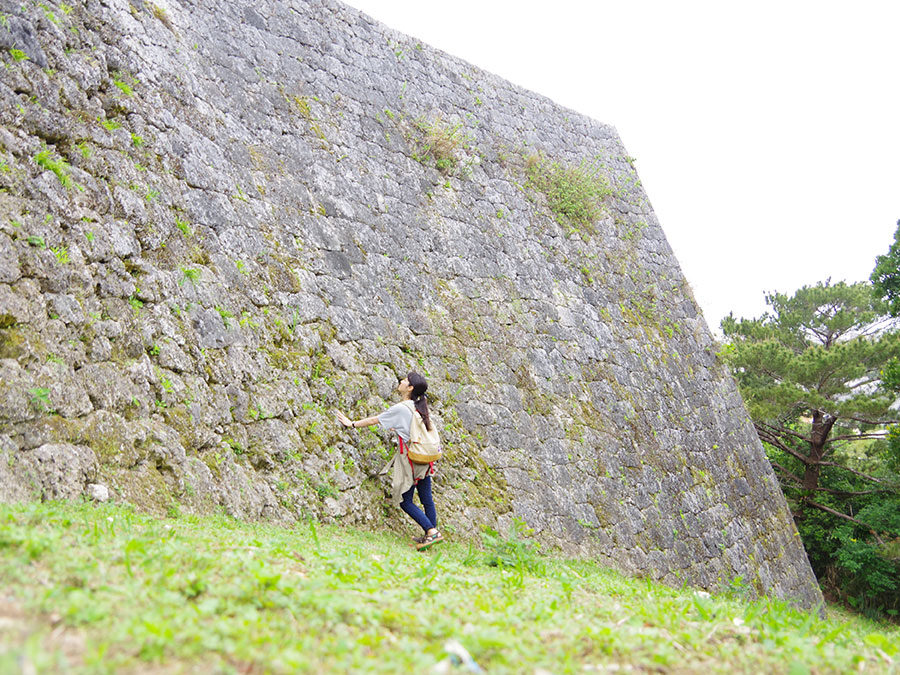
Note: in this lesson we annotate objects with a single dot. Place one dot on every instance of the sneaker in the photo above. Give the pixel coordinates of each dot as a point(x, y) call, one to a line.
point(429, 540)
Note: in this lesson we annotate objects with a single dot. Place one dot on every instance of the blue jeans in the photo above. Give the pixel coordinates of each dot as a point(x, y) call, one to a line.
point(428, 519)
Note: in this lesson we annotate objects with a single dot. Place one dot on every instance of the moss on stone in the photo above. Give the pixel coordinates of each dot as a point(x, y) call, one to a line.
point(536, 401)
point(59, 429)
point(13, 343)
point(292, 360)
point(144, 487)
point(182, 421)
point(214, 460)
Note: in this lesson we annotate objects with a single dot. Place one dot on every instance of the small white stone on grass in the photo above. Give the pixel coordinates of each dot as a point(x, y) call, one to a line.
point(97, 492)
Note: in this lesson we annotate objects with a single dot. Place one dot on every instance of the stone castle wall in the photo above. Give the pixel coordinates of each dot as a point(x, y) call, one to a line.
point(220, 221)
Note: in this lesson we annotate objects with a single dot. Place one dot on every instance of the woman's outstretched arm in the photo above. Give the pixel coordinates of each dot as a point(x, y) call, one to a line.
point(347, 422)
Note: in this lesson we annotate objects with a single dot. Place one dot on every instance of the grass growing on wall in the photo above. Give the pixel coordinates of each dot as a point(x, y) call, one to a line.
point(104, 590)
point(441, 143)
point(574, 193)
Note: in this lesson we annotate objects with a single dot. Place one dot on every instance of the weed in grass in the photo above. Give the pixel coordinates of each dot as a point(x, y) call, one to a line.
point(516, 551)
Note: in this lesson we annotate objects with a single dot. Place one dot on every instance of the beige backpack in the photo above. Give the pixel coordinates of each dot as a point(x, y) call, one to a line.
point(424, 446)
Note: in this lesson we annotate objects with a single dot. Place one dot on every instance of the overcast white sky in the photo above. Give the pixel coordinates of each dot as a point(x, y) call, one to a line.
point(767, 134)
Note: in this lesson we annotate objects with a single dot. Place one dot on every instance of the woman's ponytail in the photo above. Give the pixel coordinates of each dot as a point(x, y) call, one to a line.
point(420, 386)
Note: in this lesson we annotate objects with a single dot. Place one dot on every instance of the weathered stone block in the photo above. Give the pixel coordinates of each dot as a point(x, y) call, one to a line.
point(57, 470)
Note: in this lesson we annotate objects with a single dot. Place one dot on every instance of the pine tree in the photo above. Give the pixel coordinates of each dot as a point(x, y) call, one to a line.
point(811, 370)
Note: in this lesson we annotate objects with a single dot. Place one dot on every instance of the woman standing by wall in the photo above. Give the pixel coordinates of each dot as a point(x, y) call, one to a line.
point(407, 477)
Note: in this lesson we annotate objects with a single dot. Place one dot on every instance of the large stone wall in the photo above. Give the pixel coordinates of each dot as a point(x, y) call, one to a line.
point(252, 226)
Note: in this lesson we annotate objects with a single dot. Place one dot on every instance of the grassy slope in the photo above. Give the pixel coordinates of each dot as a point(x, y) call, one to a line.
point(104, 589)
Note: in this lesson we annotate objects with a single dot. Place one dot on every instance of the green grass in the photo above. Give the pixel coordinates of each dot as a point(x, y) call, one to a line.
point(102, 589)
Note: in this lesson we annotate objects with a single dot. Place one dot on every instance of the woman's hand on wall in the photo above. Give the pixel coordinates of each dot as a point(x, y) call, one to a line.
point(343, 419)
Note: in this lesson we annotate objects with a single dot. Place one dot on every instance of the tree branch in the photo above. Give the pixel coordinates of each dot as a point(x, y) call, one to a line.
point(843, 493)
point(822, 507)
point(865, 421)
point(773, 440)
point(787, 473)
point(781, 430)
point(861, 383)
point(858, 437)
point(854, 471)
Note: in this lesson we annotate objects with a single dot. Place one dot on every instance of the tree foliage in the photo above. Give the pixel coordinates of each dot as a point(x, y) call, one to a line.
point(811, 372)
point(886, 275)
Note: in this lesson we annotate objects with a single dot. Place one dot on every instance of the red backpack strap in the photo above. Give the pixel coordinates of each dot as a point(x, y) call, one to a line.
point(412, 468)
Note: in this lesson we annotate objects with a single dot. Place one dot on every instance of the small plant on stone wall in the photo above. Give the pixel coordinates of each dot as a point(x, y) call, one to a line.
point(184, 226)
point(225, 314)
point(62, 254)
point(40, 399)
point(442, 144)
point(161, 14)
point(58, 166)
point(574, 193)
point(189, 274)
point(124, 86)
point(327, 489)
point(302, 104)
